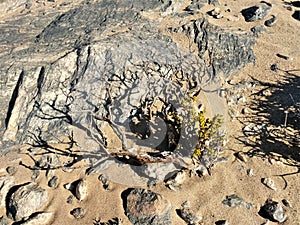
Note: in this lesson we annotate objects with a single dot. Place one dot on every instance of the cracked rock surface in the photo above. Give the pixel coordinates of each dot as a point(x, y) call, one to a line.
point(61, 70)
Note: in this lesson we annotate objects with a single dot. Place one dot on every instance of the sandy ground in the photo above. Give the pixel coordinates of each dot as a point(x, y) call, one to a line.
point(205, 193)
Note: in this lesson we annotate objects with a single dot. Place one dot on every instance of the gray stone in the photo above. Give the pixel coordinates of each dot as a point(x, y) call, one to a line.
point(35, 175)
point(235, 201)
point(11, 170)
point(222, 222)
point(187, 215)
point(70, 199)
point(286, 203)
point(269, 183)
point(6, 182)
point(213, 2)
point(81, 190)
point(53, 182)
point(241, 156)
point(144, 207)
point(78, 213)
point(257, 12)
point(270, 22)
point(78, 188)
point(105, 181)
point(272, 210)
point(26, 200)
point(296, 15)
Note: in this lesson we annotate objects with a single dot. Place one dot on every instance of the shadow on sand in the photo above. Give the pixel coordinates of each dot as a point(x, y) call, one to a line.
point(274, 128)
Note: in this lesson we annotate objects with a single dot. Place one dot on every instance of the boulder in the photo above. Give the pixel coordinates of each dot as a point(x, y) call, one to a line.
point(256, 12)
point(26, 200)
point(144, 207)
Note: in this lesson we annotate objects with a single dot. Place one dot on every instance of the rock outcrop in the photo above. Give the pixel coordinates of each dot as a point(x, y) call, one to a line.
point(71, 71)
point(25, 201)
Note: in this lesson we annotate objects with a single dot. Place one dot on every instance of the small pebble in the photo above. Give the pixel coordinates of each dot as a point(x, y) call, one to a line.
point(245, 111)
point(186, 214)
point(53, 182)
point(286, 203)
point(175, 182)
point(35, 175)
point(274, 67)
point(216, 13)
point(11, 170)
point(104, 180)
point(269, 183)
point(220, 16)
point(81, 190)
point(250, 172)
point(70, 199)
point(78, 213)
point(69, 186)
point(222, 222)
point(267, 93)
point(271, 22)
point(290, 8)
point(242, 156)
point(235, 201)
point(67, 169)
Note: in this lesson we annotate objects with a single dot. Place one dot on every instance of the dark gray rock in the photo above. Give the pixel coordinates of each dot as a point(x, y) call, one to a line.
point(213, 2)
point(270, 22)
point(274, 67)
point(294, 3)
point(257, 12)
point(272, 210)
point(105, 181)
point(70, 199)
point(78, 213)
point(70, 44)
point(11, 170)
point(213, 43)
point(296, 15)
point(78, 188)
point(144, 207)
point(25, 200)
point(222, 222)
point(286, 203)
point(235, 201)
point(53, 182)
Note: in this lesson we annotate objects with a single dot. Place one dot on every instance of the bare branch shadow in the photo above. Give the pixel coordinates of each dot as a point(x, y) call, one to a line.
point(274, 131)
